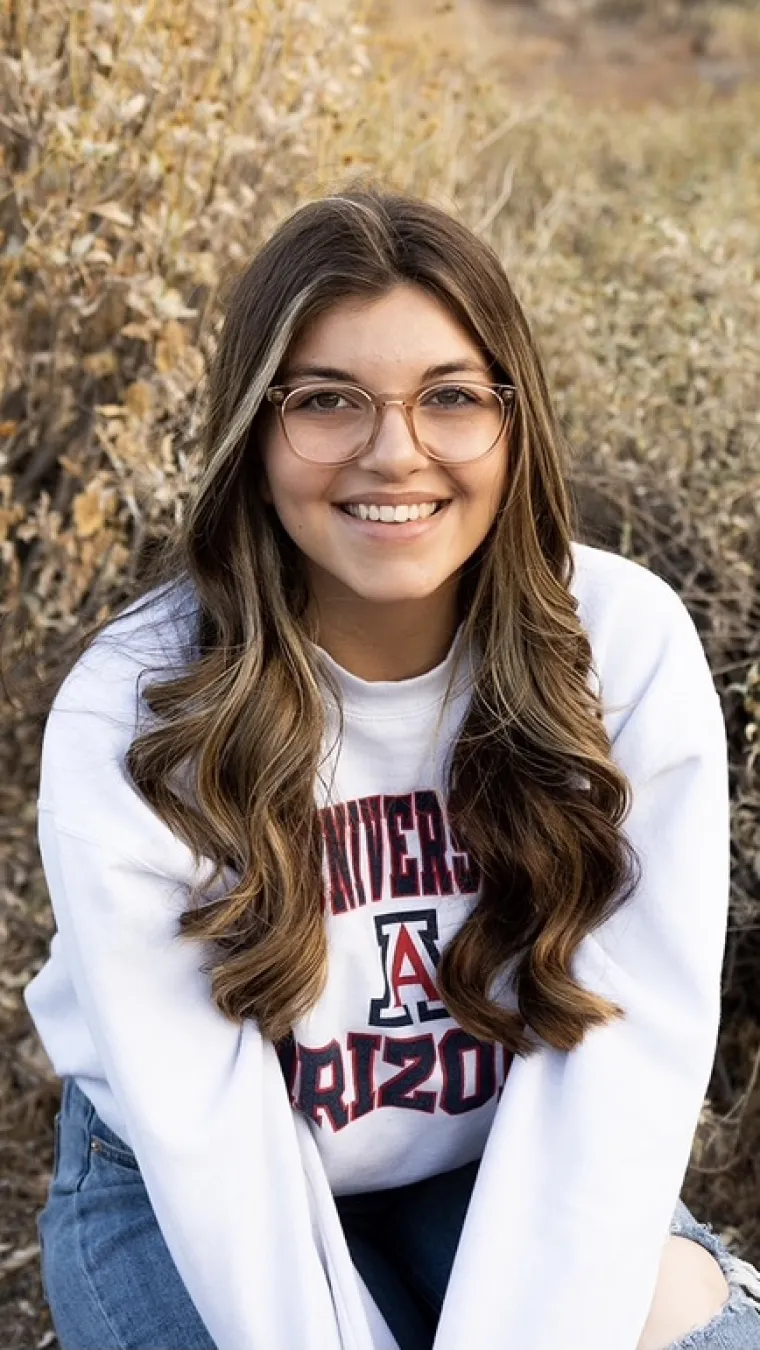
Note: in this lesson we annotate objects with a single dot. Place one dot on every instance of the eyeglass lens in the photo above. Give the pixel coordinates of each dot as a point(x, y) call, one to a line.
point(327, 421)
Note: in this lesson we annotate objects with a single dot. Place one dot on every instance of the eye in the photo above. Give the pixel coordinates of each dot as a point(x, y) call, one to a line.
point(324, 399)
point(452, 396)
point(327, 401)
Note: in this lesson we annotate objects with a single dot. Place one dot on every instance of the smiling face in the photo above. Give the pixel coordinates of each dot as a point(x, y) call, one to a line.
point(359, 575)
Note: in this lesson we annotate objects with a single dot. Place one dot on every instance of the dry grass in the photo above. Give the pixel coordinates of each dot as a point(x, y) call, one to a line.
point(143, 159)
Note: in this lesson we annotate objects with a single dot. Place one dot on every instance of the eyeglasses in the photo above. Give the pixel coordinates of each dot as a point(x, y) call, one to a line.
point(330, 423)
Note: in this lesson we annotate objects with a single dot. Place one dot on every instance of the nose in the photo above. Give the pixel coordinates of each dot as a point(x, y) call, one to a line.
point(393, 450)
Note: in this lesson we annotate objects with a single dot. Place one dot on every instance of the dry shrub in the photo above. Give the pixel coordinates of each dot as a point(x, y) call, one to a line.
point(147, 151)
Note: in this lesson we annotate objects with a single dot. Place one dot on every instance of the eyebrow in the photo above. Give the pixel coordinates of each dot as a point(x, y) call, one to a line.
point(334, 373)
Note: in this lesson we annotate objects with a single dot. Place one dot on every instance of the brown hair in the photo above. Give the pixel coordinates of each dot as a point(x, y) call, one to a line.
point(532, 792)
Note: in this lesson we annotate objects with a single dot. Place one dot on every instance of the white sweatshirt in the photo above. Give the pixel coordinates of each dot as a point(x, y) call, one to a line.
point(583, 1154)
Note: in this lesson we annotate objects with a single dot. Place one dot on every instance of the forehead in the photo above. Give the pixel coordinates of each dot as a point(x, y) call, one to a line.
point(404, 327)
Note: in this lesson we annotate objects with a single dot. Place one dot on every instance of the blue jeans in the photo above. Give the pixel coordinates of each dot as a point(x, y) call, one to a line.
point(111, 1283)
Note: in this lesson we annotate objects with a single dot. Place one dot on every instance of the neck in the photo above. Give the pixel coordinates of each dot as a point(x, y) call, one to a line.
point(389, 641)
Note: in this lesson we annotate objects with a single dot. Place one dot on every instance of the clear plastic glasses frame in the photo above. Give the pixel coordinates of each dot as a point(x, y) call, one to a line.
point(279, 395)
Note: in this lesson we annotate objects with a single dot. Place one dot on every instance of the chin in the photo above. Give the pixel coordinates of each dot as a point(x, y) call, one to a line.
point(394, 595)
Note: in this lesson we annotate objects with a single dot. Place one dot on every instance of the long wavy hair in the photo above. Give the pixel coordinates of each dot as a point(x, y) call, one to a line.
point(532, 792)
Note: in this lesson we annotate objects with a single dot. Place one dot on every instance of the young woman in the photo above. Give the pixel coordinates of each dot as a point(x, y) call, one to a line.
point(387, 843)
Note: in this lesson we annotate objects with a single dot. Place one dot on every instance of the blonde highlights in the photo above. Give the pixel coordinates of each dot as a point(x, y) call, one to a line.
point(532, 791)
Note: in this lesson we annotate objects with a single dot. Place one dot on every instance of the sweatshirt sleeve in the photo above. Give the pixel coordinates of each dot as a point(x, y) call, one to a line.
point(588, 1150)
point(203, 1099)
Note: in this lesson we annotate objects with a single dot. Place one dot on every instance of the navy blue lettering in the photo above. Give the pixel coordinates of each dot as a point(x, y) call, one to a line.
point(436, 877)
point(418, 1054)
point(334, 831)
point(313, 1096)
point(452, 1050)
point(404, 870)
point(405, 938)
point(363, 1050)
point(355, 837)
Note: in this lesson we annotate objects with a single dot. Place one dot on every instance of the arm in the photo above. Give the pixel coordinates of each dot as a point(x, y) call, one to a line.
point(588, 1150)
point(203, 1100)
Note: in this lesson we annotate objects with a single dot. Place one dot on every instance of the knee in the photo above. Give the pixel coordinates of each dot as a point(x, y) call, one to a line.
point(691, 1289)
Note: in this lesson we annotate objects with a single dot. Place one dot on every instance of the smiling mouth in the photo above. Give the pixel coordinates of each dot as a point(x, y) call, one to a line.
point(345, 507)
point(384, 531)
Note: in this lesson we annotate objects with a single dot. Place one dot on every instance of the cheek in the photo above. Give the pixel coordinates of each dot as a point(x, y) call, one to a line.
point(280, 478)
point(264, 448)
point(298, 493)
point(491, 488)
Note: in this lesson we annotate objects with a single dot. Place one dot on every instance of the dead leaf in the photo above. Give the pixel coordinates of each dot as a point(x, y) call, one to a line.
point(113, 212)
point(88, 512)
point(170, 346)
point(139, 398)
point(91, 509)
point(111, 409)
point(100, 364)
point(142, 332)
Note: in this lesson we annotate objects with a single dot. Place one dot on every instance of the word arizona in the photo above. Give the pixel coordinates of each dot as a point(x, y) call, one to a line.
point(406, 838)
point(335, 1085)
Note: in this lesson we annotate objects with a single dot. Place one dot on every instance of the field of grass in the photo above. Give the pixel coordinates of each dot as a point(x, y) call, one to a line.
point(146, 149)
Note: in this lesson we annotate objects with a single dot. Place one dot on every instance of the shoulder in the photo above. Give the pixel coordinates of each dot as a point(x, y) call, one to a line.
point(153, 634)
point(625, 607)
point(608, 585)
point(97, 712)
point(640, 631)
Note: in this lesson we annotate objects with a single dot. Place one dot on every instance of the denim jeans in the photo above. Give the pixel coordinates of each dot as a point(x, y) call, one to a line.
point(111, 1283)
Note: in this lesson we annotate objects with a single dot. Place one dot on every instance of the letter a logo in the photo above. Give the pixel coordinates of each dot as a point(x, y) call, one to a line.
point(407, 942)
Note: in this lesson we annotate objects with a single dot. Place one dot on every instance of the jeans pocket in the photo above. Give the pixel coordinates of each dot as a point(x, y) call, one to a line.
point(110, 1160)
point(118, 1155)
point(100, 1141)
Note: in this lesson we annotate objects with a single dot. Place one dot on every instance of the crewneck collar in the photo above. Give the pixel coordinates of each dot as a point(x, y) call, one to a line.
point(387, 699)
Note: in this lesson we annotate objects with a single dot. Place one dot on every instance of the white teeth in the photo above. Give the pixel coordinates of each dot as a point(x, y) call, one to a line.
point(390, 514)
